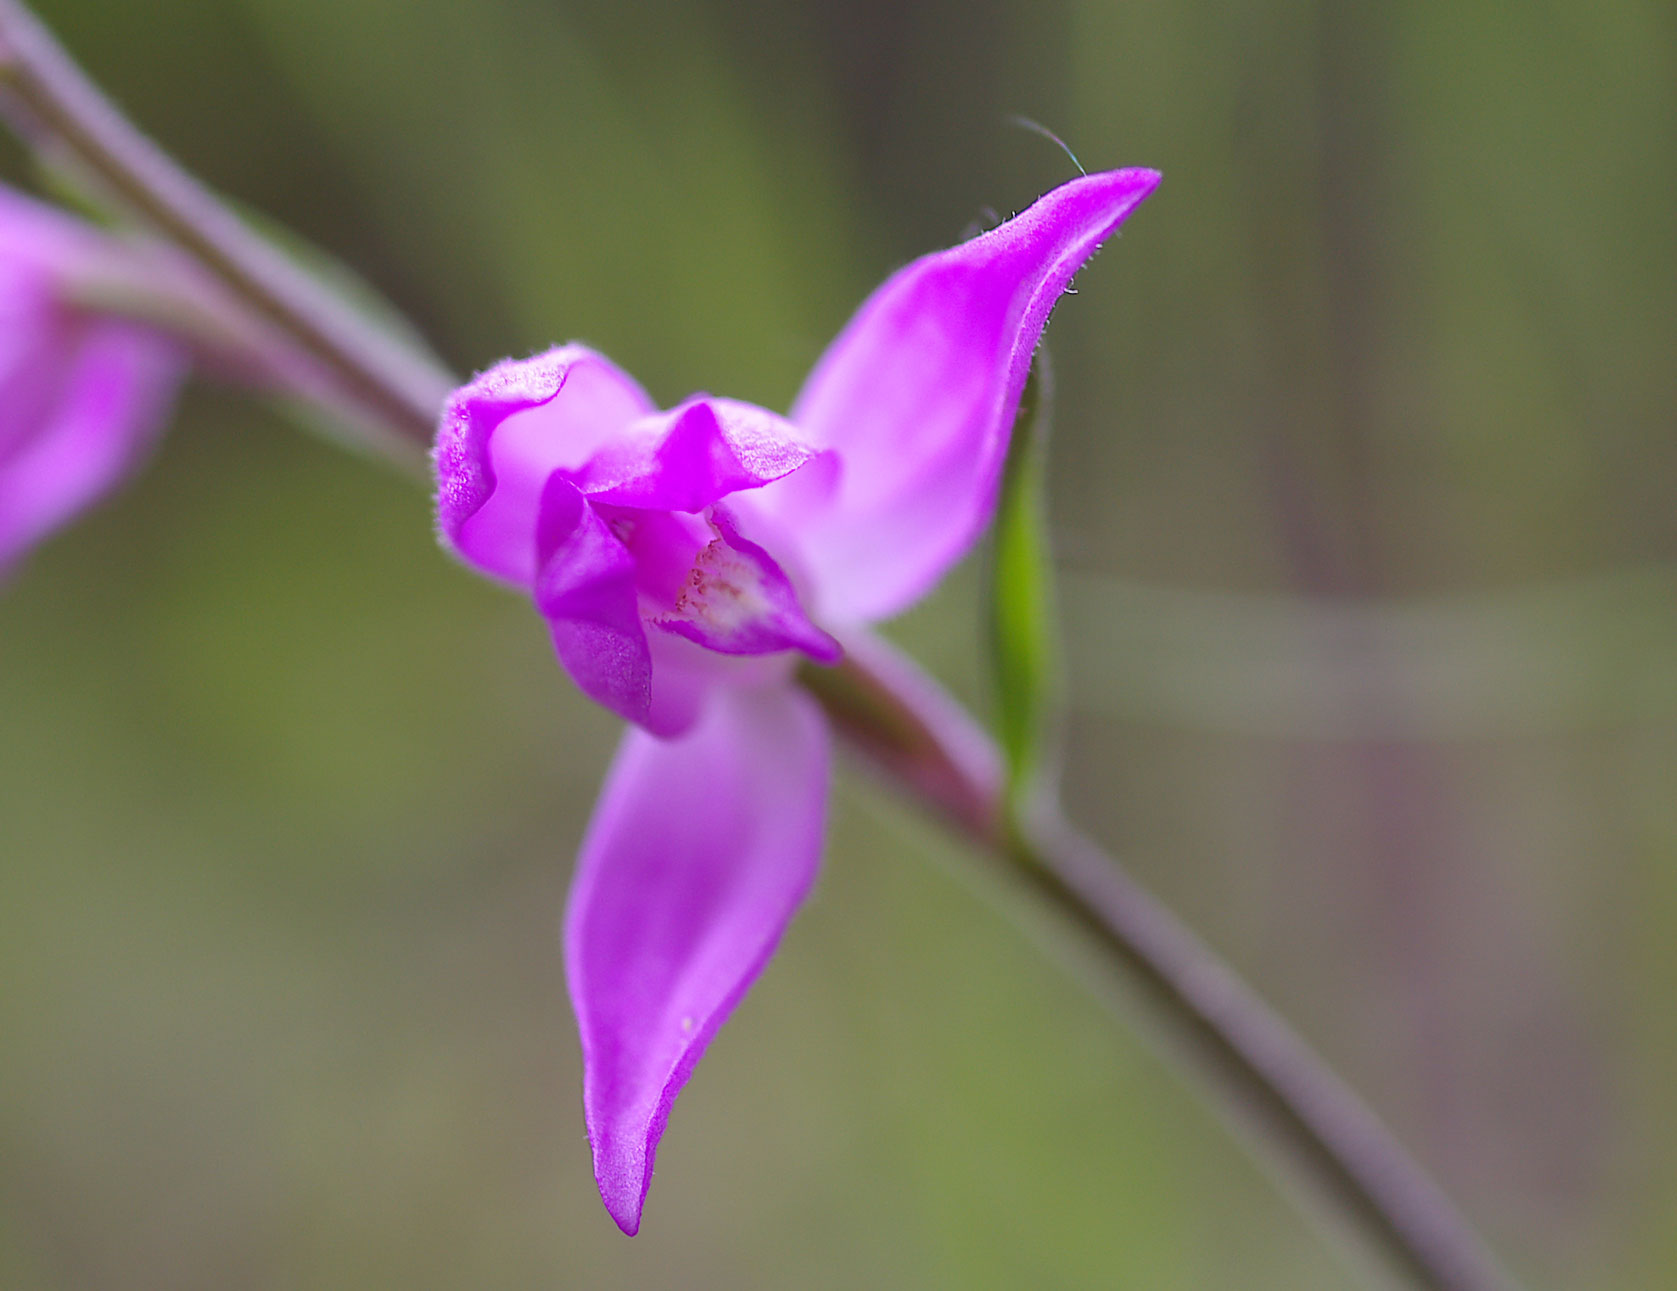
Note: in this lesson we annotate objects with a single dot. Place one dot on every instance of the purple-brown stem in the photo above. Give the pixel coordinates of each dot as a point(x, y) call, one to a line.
point(1268, 1080)
point(53, 104)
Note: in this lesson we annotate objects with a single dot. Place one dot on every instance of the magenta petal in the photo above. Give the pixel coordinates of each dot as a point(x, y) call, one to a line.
point(692, 456)
point(683, 677)
point(103, 416)
point(585, 588)
point(917, 398)
point(699, 853)
point(504, 434)
point(738, 601)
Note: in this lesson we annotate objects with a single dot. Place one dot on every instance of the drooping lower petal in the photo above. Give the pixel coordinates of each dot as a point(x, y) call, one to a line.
point(700, 851)
point(502, 436)
point(104, 415)
point(917, 397)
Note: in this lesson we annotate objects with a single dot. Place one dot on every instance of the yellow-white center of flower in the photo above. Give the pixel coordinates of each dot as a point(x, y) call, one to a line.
point(724, 591)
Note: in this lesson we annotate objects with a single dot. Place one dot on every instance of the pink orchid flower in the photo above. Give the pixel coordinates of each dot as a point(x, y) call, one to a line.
point(82, 395)
point(685, 560)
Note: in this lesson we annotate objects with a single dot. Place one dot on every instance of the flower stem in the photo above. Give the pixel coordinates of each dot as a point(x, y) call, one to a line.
point(1268, 1081)
point(53, 103)
point(1276, 1087)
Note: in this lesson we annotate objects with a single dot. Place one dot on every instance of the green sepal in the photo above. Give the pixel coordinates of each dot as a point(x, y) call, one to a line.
point(1024, 632)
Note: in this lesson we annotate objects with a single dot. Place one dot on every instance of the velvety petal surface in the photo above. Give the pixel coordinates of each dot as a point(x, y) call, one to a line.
point(502, 436)
point(108, 398)
point(700, 851)
point(694, 455)
point(685, 674)
point(917, 397)
point(585, 589)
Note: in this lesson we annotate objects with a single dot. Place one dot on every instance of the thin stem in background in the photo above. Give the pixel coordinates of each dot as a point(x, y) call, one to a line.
point(1270, 1080)
point(1275, 1086)
point(398, 386)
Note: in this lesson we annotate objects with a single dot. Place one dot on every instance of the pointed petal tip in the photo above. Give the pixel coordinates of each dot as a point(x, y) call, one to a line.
point(668, 925)
point(1143, 178)
point(1119, 191)
point(1145, 175)
point(917, 395)
point(624, 1202)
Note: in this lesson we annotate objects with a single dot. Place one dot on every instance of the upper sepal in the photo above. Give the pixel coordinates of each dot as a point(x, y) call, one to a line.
point(918, 393)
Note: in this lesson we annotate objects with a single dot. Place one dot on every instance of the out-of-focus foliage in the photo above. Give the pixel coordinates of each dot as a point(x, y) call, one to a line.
point(1364, 469)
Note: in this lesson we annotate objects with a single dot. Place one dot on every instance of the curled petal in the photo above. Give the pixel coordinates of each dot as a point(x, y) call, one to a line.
point(502, 436)
point(699, 854)
point(96, 418)
point(693, 456)
point(585, 589)
point(918, 394)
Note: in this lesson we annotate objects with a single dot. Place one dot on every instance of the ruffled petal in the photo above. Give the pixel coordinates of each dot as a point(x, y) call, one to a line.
point(918, 394)
point(111, 399)
point(502, 436)
point(585, 589)
point(699, 854)
point(694, 455)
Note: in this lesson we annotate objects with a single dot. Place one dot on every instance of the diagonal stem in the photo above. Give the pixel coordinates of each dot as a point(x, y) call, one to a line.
point(1274, 1085)
point(1268, 1080)
point(54, 103)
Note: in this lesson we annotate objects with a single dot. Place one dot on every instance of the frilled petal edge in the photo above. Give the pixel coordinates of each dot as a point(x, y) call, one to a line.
point(918, 394)
point(503, 435)
point(700, 851)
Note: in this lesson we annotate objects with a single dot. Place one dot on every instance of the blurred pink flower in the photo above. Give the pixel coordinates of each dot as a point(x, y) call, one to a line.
point(82, 395)
point(685, 560)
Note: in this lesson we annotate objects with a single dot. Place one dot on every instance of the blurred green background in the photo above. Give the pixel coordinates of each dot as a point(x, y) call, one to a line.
point(1364, 480)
